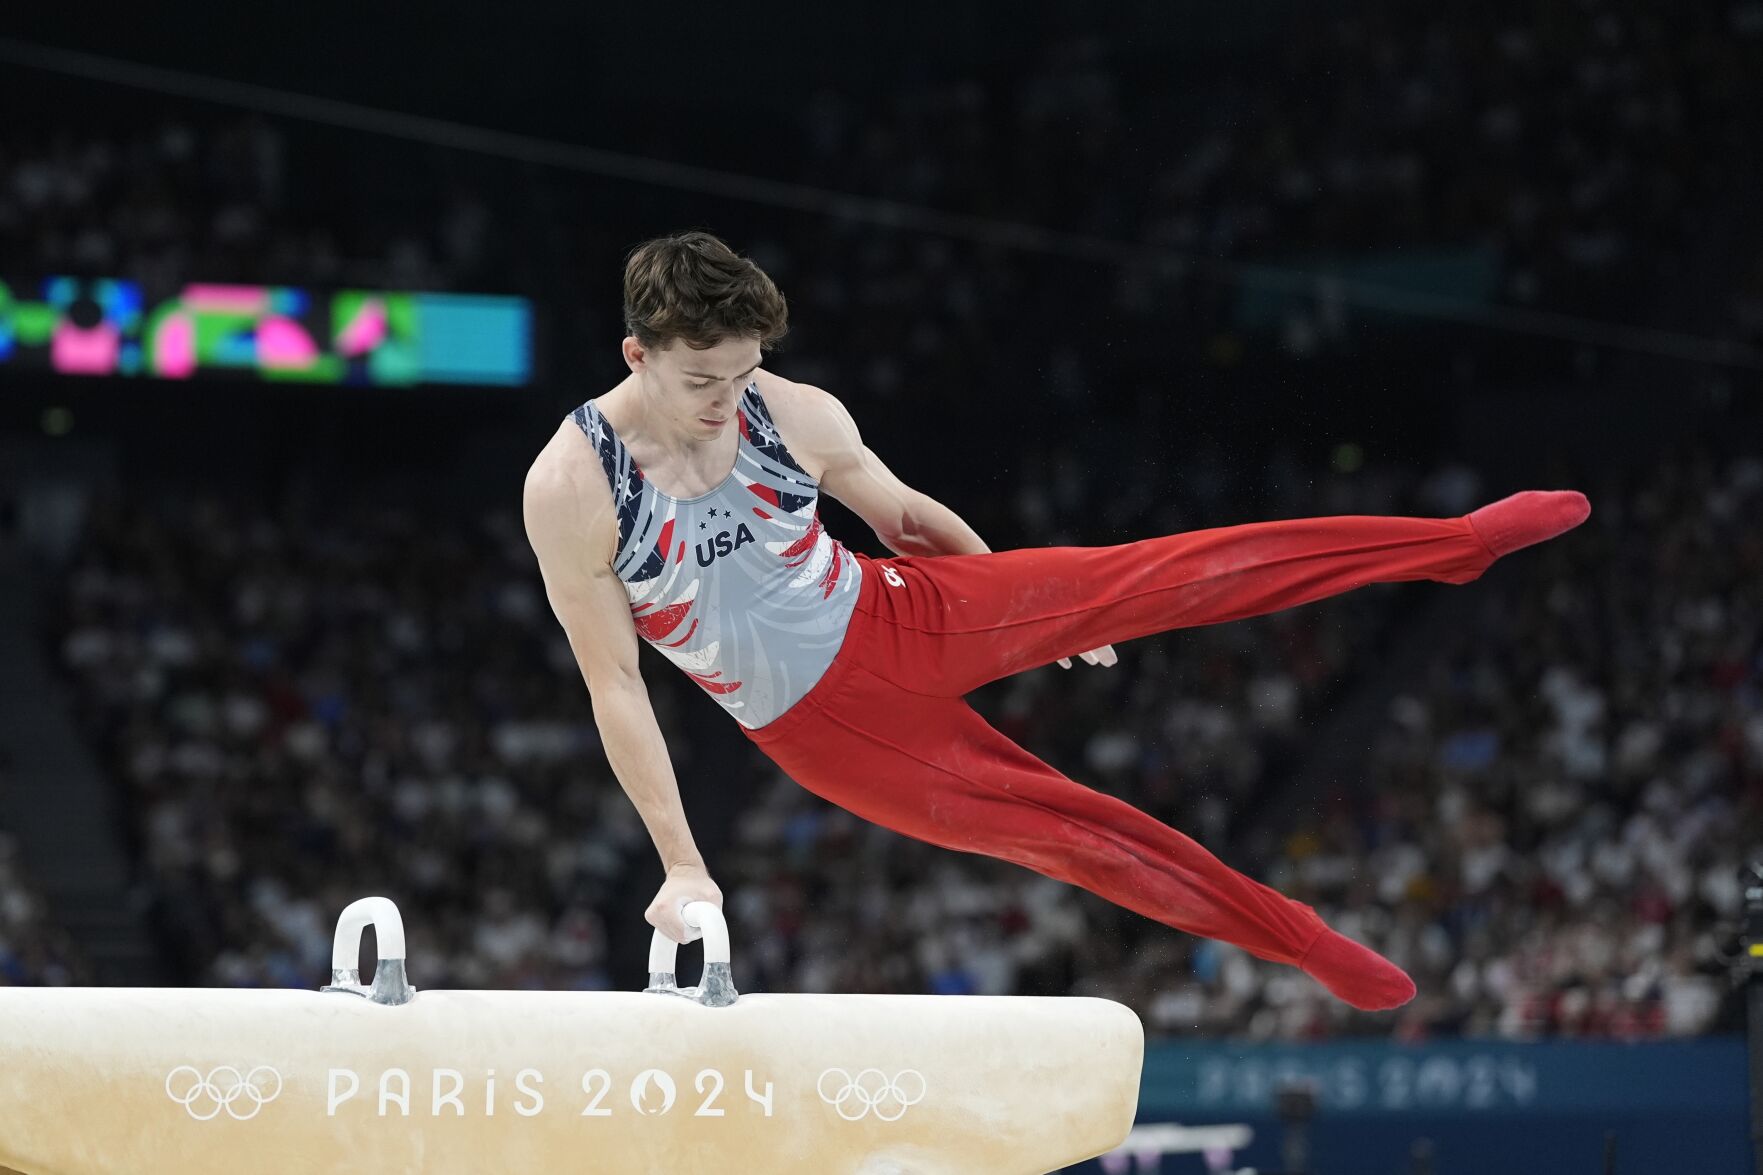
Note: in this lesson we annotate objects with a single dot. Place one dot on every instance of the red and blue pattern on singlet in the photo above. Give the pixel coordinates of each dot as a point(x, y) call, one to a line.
point(740, 587)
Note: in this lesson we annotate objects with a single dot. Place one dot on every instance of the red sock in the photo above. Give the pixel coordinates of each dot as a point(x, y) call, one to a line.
point(1357, 974)
point(1528, 517)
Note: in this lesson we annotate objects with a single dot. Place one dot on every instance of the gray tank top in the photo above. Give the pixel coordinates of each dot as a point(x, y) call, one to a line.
point(740, 587)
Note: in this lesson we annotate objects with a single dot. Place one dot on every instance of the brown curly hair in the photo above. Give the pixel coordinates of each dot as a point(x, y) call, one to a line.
point(691, 286)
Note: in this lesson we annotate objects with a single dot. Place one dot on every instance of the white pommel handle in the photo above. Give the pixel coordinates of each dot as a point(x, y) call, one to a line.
point(702, 916)
point(390, 984)
point(388, 929)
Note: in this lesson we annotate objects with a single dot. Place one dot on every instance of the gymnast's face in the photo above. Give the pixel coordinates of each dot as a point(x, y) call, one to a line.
point(694, 392)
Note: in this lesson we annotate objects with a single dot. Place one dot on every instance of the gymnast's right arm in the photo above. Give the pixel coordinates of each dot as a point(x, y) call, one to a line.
point(573, 530)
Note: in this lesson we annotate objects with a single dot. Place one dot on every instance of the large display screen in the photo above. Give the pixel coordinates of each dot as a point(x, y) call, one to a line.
point(101, 326)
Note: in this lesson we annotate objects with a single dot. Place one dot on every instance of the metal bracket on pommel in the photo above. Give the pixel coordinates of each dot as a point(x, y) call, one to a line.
point(1751, 884)
point(716, 987)
point(390, 986)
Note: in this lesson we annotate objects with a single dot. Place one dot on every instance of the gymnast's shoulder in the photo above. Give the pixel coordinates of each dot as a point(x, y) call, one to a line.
point(815, 426)
point(566, 498)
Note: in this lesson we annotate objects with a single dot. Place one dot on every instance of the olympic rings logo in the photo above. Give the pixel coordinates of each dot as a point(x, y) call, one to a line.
point(859, 1095)
point(241, 1096)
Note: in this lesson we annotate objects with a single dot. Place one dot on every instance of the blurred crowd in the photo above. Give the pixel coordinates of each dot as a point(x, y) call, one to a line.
point(225, 198)
point(1579, 149)
point(303, 710)
point(1567, 160)
point(1558, 813)
point(1553, 820)
point(33, 948)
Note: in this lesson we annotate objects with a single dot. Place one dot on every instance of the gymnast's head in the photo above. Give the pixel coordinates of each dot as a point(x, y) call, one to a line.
point(698, 317)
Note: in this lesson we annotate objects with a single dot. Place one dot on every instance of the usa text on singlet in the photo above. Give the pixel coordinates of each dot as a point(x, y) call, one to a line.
point(739, 587)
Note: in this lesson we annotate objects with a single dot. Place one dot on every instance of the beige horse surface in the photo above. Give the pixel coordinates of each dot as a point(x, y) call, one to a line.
point(97, 1081)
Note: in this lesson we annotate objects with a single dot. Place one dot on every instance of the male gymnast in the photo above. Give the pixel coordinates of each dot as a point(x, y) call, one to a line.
point(680, 507)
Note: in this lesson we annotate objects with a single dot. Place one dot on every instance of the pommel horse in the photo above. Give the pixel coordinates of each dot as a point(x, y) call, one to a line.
point(382, 1077)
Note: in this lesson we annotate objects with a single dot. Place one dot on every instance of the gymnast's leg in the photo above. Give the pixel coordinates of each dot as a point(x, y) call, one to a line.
point(933, 769)
point(996, 614)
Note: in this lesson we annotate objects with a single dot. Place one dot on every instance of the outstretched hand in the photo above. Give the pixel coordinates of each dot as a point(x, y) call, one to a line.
point(1102, 656)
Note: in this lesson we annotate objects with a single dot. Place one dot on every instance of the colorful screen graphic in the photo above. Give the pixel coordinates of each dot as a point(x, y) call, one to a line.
point(99, 326)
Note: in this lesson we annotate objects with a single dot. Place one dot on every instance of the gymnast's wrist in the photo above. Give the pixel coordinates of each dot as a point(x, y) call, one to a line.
point(679, 867)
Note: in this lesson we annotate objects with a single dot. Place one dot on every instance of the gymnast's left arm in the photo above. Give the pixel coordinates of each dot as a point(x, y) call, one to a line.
point(820, 432)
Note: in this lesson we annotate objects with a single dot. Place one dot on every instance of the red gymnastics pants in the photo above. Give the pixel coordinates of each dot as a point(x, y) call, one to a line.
point(886, 735)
